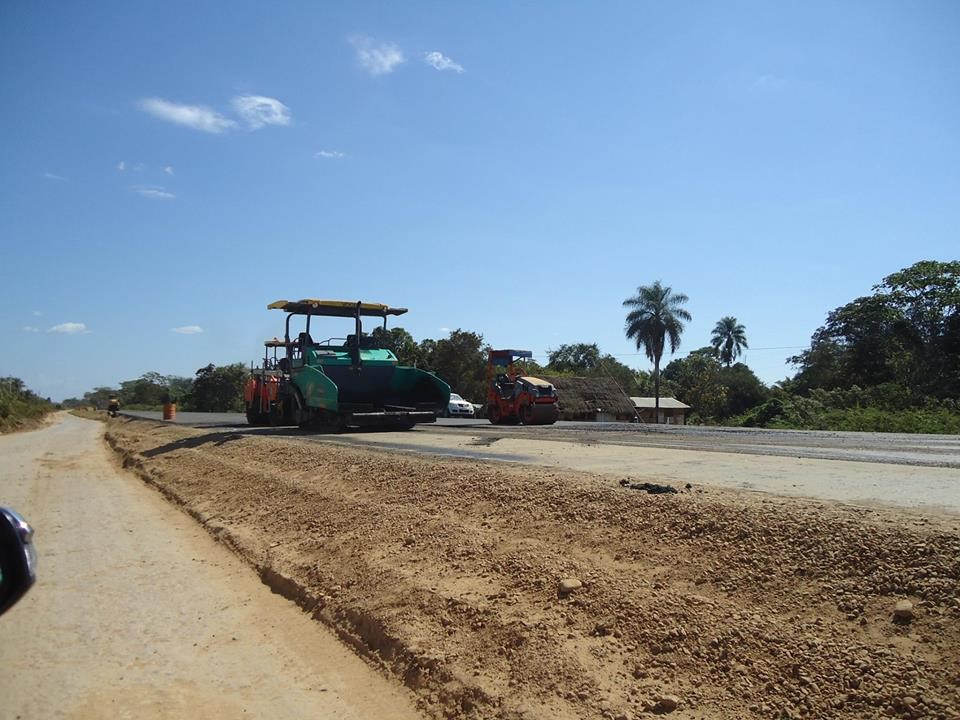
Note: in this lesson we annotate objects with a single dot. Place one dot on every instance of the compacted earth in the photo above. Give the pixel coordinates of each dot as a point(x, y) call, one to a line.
point(504, 591)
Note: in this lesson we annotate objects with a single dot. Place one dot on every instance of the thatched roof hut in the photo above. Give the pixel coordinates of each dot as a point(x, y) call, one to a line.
point(594, 398)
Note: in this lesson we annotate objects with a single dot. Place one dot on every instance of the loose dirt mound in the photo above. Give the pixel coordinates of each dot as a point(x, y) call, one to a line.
point(698, 604)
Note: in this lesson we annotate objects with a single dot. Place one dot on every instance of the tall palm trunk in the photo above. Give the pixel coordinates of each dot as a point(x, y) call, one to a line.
point(656, 389)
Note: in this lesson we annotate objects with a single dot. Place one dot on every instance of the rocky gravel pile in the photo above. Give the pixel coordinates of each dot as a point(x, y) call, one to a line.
point(498, 591)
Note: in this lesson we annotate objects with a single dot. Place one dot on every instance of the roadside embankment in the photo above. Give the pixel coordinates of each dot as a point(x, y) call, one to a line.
point(703, 604)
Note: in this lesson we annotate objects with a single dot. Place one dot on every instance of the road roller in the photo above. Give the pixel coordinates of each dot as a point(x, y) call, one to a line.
point(513, 397)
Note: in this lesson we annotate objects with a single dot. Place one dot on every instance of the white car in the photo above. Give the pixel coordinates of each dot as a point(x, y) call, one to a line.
point(459, 407)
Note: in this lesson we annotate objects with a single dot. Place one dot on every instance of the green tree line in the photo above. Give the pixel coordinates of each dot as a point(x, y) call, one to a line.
point(212, 389)
point(19, 405)
point(887, 361)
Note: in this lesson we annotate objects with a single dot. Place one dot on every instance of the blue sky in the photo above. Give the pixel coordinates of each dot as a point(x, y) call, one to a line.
point(515, 169)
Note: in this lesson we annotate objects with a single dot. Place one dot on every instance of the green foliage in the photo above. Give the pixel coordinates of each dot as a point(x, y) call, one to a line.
point(218, 388)
point(696, 381)
point(713, 391)
point(728, 339)
point(811, 413)
point(401, 343)
point(656, 318)
point(644, 385)
point(98, 398)
point(148, 391)
point(744, 389)
point(19, 405)
point(906, 333)
point(179, 388)
point(460, 360)
point(586, 360)
point(575, 358)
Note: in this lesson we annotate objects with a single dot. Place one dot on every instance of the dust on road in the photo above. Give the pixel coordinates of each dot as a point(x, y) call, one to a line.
point(139, 613)
point(703, 604)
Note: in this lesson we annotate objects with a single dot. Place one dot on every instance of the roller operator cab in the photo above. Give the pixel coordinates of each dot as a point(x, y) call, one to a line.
point(513, 397)
point(338, 381)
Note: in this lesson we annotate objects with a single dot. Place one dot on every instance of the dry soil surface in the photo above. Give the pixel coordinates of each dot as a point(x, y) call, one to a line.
point(501, 591)
point(909, 471)
point(923, 487)
point(138, 613)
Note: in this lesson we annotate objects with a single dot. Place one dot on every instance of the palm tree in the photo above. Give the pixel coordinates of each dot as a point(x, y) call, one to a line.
point(729, 339)
point(656, 316)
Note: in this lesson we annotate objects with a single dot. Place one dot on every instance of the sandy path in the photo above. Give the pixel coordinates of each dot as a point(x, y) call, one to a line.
point(138, 613)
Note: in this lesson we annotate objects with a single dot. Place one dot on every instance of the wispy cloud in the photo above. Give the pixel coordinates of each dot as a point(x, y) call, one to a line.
point(37, 313)
point(768, 83)
point(441, 62)
point(53, 176)
point(156, 192)
point(376, 58)
point(169, 170)
point(188, 330)
point(257, 110)
point(445, 330)
point(329, 154)
point(31, 329)
point(121, 166)
point(69, 328)
point(198, 117)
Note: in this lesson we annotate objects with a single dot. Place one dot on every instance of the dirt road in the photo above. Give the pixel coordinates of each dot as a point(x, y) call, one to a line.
point(521, 592)
point(139, 613)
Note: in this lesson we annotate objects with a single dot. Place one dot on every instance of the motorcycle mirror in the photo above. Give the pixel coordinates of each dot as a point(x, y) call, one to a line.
point(18, 558)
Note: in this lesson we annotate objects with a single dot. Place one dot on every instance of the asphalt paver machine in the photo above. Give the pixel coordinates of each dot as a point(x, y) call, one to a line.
point(339, 381)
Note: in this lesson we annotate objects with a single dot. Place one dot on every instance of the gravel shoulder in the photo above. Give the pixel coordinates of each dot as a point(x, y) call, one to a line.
point(139, 613)
point(709, 604)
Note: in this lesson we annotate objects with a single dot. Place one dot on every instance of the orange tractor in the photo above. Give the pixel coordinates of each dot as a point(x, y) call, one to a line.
point(516, 398)
point(263, 386)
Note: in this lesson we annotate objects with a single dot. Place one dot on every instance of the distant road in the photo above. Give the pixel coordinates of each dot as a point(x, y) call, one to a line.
point(887, 448)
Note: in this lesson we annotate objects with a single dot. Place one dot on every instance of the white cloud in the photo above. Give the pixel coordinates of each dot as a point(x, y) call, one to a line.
point(376, 59)
point(441, 62)
point(69, 328)
point(121, 166)
point(258, 110)
point(52, 176)
point(445, 330)
point(31, 329)
point(329, 154)
point(169, 170)
point(156, 192)
point(198, 117)
point(37, 313)
point(188, 330)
